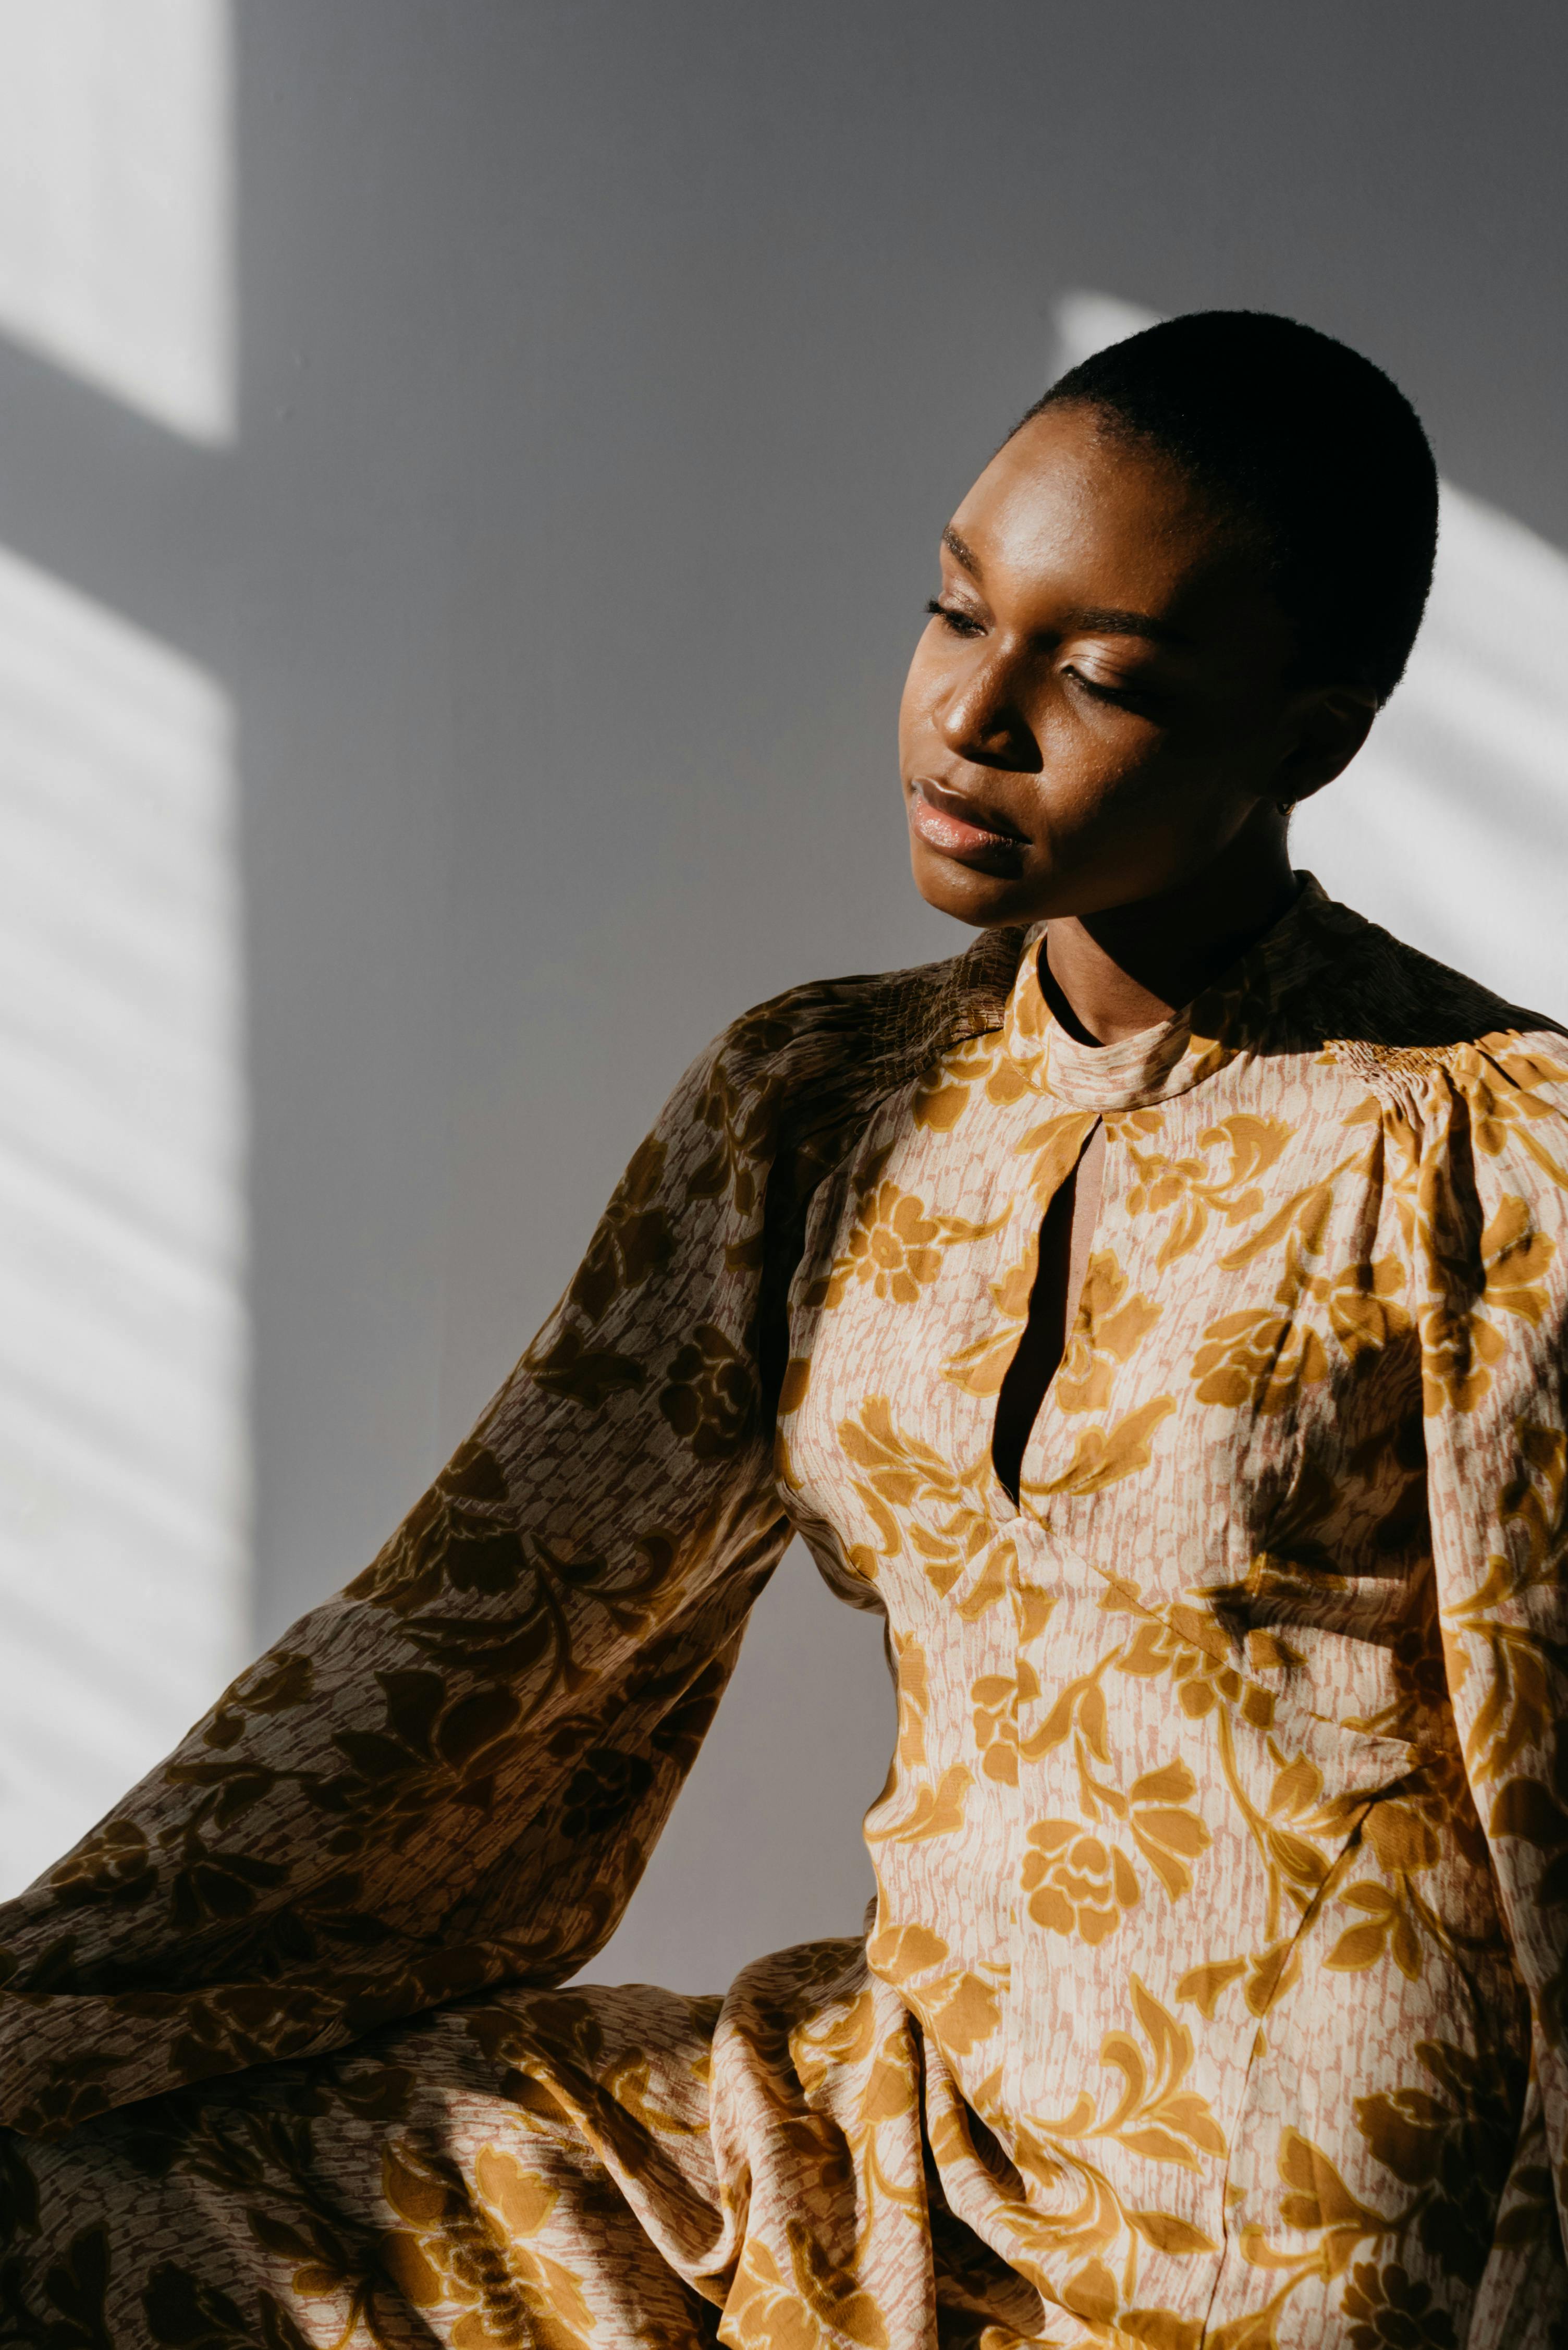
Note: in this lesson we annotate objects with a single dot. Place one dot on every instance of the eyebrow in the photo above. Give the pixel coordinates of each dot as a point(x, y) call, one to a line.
point(962, 552)
point(1108, 620)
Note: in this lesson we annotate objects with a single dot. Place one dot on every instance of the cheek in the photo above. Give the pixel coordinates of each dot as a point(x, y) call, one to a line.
point(1110, 794)
point(1093, 766)
point(1235, 735)
point(1160, 797)
point(1165, 816)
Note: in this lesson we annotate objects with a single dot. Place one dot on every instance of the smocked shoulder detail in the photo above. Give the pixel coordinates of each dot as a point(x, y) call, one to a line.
point(883, 1027)
point(1378, 1003)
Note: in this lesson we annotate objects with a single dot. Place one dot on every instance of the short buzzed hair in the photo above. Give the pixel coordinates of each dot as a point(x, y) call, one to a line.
point(1304, 440)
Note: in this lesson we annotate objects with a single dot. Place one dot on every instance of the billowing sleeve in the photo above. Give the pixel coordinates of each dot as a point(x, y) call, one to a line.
point(1490, 1213)
point(452, 1775)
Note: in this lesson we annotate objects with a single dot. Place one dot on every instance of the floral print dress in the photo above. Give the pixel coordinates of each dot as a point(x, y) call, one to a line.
point(1215, 1988)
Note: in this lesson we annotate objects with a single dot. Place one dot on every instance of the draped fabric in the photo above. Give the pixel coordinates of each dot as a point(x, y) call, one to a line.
point(1215, 1988)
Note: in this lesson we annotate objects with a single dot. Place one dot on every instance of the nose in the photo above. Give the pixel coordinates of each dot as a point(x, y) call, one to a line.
point(981, 718)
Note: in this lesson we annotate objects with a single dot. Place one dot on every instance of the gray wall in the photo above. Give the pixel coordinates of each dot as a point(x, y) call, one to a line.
point(606, 372)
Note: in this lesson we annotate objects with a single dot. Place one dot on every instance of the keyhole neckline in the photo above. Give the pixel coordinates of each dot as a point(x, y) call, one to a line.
point(1052, 1319)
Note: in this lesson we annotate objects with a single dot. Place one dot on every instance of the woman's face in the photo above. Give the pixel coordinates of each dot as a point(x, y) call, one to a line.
point(1097, 707)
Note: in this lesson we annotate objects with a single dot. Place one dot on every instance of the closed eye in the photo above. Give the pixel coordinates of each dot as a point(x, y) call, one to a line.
point(1123, 697)
point(962, 624)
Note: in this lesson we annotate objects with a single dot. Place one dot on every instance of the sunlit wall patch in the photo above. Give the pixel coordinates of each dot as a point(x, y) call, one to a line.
point(123, 1445)
point(115, 200)
point(1452, 825)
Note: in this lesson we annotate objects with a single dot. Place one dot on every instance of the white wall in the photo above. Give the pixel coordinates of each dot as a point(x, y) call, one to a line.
point(538, 549)
point(124, 1434)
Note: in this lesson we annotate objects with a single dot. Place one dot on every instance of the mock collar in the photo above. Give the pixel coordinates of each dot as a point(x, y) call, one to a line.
point(1230, 1018)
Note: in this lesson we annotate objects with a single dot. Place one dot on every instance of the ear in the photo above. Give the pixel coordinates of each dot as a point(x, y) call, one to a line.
point(1329, 725)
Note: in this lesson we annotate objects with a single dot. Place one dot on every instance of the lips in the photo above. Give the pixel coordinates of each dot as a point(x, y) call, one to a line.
point(960, 827)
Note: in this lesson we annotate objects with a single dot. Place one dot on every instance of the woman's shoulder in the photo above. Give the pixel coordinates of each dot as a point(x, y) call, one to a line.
point(870, 1031)
point(1394, 1012)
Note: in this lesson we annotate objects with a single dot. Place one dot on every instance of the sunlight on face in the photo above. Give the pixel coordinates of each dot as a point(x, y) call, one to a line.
point(1099, 703)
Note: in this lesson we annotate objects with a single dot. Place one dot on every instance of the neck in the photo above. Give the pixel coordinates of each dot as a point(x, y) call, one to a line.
point(1110, 975)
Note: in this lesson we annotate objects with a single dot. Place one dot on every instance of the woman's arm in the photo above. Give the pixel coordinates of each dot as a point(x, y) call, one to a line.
point(1492, 1238)
point(452, 1772)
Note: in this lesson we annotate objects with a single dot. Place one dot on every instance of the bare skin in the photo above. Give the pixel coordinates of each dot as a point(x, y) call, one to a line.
point(1066, 1236)
point(1100, 730)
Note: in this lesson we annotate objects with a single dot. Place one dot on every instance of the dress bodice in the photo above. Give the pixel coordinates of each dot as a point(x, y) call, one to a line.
point(1216, 1992)
point(1186, 1700)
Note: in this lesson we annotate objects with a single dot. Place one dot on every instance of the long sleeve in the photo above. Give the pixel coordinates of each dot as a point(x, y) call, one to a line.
point(453, 1773)
point(1490, 1213)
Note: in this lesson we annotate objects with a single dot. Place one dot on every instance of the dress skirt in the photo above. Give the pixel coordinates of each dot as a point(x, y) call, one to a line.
point(625, 2167)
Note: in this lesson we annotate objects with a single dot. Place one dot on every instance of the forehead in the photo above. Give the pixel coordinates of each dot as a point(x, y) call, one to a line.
point(1067, 509)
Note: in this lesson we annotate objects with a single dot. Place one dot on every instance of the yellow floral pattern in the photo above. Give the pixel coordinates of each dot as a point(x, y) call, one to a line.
point(897, 1246)
point(1216, 1992)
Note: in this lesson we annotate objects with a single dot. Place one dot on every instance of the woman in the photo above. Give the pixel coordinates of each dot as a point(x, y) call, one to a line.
point(1158, 1312)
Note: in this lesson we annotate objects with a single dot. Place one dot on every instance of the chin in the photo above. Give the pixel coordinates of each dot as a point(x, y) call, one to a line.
point(982, 900)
